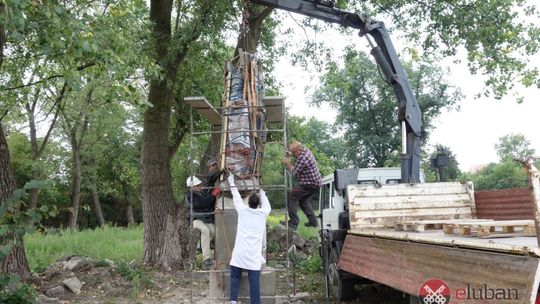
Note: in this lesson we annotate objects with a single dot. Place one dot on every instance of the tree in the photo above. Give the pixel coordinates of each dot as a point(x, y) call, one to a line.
point(366, 105)
point(504, 175)
point(319, 137)
point(499, 37)
point(55, 50)
point(514, 147)
point(14, 261)
point(166, 237)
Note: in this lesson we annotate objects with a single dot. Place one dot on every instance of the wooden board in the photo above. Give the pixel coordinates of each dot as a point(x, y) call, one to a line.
point(385, 206)
point(274, 108)
point(420, 226)
point(203, 107)
point(492, 229)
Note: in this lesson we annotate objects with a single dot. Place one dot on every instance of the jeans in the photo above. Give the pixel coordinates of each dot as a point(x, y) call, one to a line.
point(254, 284)
point(301, 195)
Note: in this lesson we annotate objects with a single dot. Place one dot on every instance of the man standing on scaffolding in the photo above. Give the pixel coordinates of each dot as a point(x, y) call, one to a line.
point(250, 232)
point(309, 179)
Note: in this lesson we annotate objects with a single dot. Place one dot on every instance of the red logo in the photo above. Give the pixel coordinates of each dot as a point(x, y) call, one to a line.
point(434, 291)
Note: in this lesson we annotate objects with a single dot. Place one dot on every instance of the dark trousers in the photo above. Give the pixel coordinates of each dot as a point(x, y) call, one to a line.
point(254, 284)
point(301, 195)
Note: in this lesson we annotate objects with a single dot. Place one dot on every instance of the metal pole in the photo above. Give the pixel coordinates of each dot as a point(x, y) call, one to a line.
point(286, 180)
point(191, 251)
point(403, 137)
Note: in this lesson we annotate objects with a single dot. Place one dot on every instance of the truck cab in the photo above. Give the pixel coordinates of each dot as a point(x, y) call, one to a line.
point(333, 210)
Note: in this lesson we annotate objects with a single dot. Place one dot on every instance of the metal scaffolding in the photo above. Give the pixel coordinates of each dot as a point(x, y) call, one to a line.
point(275, 116)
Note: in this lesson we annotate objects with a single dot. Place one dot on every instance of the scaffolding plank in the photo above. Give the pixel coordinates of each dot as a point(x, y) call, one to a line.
point(205, 108)
point(274, 108)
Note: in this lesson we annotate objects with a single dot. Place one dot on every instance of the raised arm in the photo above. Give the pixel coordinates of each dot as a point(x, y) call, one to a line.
point(265, 203)
point(237, 199)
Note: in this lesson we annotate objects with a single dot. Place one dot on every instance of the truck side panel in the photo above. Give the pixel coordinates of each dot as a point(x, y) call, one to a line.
point(372, 207)
point(468, 273)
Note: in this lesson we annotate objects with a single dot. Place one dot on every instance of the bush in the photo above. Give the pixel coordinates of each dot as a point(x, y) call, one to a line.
point(14, 292)
point(313, 264)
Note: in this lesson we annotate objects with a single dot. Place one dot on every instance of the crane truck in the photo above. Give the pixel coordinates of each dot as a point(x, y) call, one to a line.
point(365, 226)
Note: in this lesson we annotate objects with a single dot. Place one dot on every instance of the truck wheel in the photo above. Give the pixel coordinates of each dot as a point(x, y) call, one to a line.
point(341, 289)
point(414, 300)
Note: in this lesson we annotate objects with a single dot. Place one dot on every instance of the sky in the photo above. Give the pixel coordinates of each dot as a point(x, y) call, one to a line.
point(471, 132)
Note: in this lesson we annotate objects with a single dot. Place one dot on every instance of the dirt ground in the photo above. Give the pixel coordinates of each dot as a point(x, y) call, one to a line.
point(109, 283)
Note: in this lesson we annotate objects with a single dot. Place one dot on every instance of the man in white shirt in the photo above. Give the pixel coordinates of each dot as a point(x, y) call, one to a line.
point(247, 253)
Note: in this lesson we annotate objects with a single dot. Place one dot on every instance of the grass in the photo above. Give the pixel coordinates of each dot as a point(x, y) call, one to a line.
point(305, 232)
point(113, 243)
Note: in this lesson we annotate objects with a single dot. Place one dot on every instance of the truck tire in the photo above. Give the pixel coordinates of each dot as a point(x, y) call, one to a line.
point(414, 300)
point(340, 289)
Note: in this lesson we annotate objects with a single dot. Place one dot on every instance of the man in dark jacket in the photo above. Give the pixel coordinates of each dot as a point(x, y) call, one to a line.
point(203, 204)
point(213, 173)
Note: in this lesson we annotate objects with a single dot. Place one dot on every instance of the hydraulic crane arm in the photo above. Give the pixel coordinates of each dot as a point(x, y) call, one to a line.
point(385, 55)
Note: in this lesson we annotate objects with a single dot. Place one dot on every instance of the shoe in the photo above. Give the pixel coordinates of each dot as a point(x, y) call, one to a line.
point(310, 224)
point(207, 264)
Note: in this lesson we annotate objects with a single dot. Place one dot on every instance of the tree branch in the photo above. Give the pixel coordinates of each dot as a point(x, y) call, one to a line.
point(79, 68)
point(55, 118)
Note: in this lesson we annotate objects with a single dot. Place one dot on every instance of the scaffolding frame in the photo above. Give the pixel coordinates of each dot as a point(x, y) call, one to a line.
point(285, 186)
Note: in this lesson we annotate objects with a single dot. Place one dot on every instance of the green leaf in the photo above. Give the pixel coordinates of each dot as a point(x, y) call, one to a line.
point(3, 230)
point(5, 250)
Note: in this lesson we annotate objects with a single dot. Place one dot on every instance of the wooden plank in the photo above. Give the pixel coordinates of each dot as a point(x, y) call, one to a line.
point(389, 222)
point(411, 212)
point(421, 227)
point(205, 108)
point(396, 203)
point(506, 235)
point(448, 221)
point(274, 106)
point(358, 191)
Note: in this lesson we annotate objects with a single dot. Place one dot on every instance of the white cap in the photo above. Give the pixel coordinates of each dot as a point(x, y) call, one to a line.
point(193, 181)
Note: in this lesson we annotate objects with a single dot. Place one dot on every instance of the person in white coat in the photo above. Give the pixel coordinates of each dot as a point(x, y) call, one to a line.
point(250, 232)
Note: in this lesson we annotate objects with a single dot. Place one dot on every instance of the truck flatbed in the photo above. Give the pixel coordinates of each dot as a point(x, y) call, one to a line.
point(516, 245)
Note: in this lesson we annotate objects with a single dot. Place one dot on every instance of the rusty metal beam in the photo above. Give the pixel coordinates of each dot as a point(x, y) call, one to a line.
point(407, 265)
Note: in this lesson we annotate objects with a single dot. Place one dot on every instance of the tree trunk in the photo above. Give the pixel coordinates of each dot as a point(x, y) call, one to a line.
point(129, 214)
point(76, 182)
point(250, 32)
point(3, 16)
point(97, 205)
point(157, 192)
point(129, 206)
point(33, 194)
point(177, 240)
point(15, 262)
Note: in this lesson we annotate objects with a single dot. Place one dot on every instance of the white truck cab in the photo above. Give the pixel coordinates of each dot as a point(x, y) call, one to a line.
point(332, 203)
